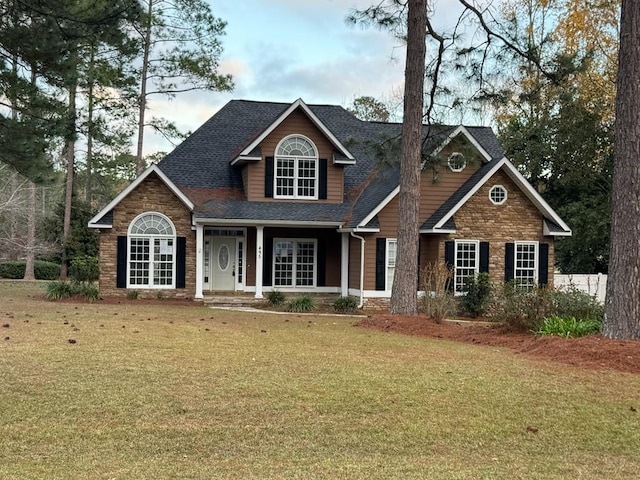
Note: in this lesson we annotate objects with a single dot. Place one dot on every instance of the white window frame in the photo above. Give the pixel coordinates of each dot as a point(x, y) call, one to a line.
point(494, 188)
point(297, 160)
point(458, 286)
point(536, 261)
point(450, 159)
point(151, 238)
point(390, 263)
point(294, 254)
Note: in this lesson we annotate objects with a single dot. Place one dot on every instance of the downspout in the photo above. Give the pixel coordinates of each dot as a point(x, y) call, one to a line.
point(361, 268)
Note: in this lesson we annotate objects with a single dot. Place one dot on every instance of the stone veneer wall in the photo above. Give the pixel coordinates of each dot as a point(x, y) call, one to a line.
point(517, 219)
point(152, 195)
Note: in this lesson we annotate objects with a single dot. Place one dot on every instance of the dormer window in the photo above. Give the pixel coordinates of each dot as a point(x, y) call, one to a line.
point(296, 169)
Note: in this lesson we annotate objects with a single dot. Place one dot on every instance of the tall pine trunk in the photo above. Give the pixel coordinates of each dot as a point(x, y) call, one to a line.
point(142, 102)
point(623, 286)
point(68, 195)
point(29, 270)
point(403, 294)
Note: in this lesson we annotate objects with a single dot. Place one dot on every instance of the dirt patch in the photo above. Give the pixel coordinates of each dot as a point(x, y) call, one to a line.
point(590, 352)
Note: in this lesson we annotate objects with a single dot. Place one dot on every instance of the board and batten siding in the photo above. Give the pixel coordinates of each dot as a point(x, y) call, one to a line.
point(296, 123)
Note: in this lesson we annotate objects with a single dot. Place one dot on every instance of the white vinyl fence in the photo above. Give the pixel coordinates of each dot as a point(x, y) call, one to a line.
point(595, 284)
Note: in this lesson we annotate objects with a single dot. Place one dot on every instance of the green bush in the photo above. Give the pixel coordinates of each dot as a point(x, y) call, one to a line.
point(478, 295)
point(85, 268)
point(43, 270)
point(60, 289)
point(275, 298)
point(571, 302)
point(522, 309)
point(345, 305)
point(132, 294)
point(305, 303)
point(568, 327)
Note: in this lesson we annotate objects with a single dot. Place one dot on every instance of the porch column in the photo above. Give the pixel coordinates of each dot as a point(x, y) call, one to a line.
point(199, 260)
point(344, 265)
point(259, 259)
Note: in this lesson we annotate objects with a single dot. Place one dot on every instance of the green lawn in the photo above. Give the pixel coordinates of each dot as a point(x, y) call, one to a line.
point(168, 392)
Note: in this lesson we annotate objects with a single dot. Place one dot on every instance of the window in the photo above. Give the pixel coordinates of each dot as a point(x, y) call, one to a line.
point(294, 263)
point(151, 252)
point(525, 270)
point(296, 168)
point(392, 251)
point(456, 162)
point(466, 263)
point(498, 194)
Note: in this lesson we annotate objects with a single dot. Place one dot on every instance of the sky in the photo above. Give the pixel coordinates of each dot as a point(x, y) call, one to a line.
point(282, 50)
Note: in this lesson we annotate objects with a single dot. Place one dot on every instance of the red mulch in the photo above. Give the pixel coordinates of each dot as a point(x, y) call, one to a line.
point(590, 352)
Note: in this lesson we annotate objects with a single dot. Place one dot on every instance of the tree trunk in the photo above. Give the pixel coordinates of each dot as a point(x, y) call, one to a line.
point(142, 102)
point(29, 271)
point(403, 293)
point(70, 154)
point(622, 309)
point(88, 194)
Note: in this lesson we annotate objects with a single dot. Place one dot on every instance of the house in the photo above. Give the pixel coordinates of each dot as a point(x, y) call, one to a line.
point(304, 198)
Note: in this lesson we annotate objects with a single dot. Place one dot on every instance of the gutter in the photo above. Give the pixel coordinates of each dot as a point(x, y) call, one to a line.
point(361, 268)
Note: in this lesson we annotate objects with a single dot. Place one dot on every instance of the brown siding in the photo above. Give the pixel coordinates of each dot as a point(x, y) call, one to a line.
point(152, 195)
point(297, 122)
point(354, 262)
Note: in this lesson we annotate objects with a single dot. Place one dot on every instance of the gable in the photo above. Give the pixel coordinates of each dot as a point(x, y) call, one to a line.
point(104, 218)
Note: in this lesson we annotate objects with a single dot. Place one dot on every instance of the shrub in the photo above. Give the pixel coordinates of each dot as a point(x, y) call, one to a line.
point(345, 305)
point(478, 295)
point(438, 302)
point(571, 302)
point(275, 298)
point(42, 270)
point(522, 309)
point(60, 289)
point(85, 268)
point(132, 294)
point(305, 303)
point(568, 326)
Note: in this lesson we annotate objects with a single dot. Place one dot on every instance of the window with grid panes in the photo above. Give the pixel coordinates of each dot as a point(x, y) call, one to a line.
point(151, 253)
point(296, 168)
point(294, 263)
point(392, 251)
point(466, 263)
point(525, 272)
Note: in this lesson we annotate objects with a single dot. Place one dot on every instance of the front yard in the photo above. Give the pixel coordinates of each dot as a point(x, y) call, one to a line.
point(161, 391)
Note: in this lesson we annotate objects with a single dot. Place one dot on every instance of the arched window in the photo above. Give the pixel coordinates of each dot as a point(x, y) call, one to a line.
point(151, 261)
point(296, 168)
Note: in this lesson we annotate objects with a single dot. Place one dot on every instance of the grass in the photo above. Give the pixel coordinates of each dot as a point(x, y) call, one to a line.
point(164, 392)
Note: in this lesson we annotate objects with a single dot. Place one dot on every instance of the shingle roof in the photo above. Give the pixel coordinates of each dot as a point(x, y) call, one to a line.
point(202, 162)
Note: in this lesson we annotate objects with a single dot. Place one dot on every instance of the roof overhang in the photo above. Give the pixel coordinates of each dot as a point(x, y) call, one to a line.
point(527, 189)
point(93, 223)
point(462, 130)
point(247, 152)
point(270, 223)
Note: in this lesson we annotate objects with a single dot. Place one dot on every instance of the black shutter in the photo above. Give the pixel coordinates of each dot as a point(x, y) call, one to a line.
point(418, 279)
point(322, 190)
point(449, 260)
point(381, 262)
point(181, 262)
point(268, 177)
point(484, 257)
point(509, 251)
point(543, 264)
point(121, 263)
point(267, 260)
point(321, 262)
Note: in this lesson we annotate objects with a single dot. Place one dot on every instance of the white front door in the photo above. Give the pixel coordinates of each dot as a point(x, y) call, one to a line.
point(223, 263)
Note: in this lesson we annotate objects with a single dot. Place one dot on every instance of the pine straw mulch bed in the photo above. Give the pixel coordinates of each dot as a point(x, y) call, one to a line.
point(590, 352)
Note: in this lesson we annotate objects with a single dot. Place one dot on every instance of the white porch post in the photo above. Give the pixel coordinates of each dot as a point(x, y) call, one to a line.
point(344, 265)
point(259, 259)
point(199, 260)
